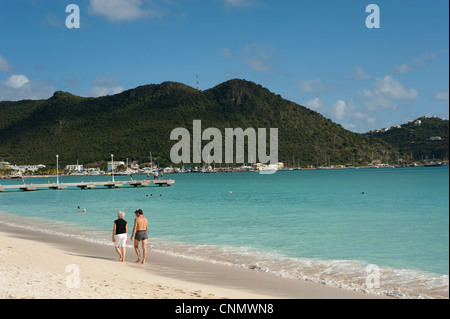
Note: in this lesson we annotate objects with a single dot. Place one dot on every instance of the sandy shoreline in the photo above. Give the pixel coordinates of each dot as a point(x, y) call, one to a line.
point(45, 266)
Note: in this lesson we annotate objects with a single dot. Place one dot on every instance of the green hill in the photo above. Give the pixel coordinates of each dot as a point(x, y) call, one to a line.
point(139, 121)
point(414, 138)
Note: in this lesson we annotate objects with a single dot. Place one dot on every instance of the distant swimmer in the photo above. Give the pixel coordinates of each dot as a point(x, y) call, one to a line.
point(84, 211)
point(362, 193)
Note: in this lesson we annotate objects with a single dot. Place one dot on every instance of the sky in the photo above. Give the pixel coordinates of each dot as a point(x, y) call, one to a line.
point(320, 54)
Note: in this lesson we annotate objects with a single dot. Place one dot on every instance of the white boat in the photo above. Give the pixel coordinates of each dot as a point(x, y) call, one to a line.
point(208, 169)
point(268, 169)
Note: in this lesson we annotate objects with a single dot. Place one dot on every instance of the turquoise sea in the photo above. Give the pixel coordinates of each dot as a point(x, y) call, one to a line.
point(325, 226)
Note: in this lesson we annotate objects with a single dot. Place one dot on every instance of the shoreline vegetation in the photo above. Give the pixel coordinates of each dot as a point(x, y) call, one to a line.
point(208, 169)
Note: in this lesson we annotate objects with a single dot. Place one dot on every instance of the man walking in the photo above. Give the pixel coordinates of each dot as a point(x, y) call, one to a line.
point(140, 235)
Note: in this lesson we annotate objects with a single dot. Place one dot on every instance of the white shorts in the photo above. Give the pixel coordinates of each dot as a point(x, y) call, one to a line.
point(120, 240)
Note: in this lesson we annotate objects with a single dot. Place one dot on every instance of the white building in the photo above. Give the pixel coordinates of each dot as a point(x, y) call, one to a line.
point(24, 168)
point(74, 168)
point(135, 165)
point(115, 164)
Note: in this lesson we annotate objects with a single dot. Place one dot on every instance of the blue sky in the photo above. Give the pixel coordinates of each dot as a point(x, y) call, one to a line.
point(316, 53)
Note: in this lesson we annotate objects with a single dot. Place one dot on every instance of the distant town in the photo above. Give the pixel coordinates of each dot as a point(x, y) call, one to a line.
point(122, 168)
point(8, 171)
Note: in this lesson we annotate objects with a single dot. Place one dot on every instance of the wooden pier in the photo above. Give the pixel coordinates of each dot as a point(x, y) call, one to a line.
point(86, 185)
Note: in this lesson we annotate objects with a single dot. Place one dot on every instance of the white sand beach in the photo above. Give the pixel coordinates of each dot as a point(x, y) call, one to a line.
point(37, 265)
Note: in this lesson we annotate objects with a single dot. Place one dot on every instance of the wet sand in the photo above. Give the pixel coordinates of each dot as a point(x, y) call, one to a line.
point(40, 265)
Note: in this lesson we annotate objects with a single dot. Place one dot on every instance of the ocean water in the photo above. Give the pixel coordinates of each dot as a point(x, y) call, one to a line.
point(325, 226)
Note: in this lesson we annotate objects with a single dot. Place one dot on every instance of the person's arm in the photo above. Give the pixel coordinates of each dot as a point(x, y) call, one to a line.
point(134, 229)
point(114, 232)
point(126, 232)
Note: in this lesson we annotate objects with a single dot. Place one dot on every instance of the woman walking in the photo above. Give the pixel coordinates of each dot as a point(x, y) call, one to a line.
point(120, 234)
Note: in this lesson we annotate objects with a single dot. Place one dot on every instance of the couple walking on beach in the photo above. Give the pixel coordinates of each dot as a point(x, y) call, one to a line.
point(120, 233)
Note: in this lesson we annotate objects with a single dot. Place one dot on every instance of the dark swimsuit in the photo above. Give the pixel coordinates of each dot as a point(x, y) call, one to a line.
point(141, 235)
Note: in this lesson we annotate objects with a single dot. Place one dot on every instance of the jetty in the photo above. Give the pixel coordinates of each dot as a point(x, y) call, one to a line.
point(87, 185)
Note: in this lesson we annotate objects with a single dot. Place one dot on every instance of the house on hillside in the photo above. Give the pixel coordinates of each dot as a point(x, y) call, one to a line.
point(4, 166)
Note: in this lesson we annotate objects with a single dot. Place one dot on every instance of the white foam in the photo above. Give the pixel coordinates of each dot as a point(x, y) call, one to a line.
point(345, 274)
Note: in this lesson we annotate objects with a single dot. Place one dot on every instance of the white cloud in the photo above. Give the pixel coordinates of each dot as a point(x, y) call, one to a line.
point(120, 10)
point(258, 57)
point(105, 85)
point(226, 53)
point(339, 110)
point(352, 117)
point(347, 113)
point(314, 86)
point(424, 59)
point(442, 96)
point(257, 63)
point(19, 87)
point(5, 66)
point(315, 104)
point(98, 91)
point(361, 74)
point(370, 108)
point(386, 94)
point(402, 69)
point(16, 81)
point(390, 87)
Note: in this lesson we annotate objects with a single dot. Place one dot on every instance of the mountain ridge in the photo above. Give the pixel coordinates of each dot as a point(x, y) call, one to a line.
point(138, 121)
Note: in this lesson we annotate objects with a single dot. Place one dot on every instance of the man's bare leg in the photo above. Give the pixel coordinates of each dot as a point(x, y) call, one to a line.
point(136, 248)
point(144, 250)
